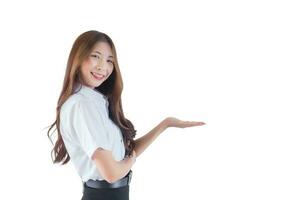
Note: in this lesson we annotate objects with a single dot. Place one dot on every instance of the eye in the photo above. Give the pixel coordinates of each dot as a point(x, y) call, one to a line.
point(110, 61)
point(95, 56)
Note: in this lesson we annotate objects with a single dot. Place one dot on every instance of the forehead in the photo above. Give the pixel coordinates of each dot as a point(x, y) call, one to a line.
point(102, 47)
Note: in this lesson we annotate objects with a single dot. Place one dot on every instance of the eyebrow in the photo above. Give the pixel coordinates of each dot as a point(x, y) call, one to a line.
point(101, 54)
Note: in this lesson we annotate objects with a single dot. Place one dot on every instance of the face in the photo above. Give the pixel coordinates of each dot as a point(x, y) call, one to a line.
point(98, 66)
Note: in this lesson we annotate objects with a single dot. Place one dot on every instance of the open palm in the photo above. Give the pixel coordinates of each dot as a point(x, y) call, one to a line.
point(174, 122)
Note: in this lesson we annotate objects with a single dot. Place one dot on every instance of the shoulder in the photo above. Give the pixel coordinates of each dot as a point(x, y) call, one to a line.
point(73, 102)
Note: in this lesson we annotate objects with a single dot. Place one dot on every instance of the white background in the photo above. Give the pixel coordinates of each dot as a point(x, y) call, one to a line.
point(232, 64)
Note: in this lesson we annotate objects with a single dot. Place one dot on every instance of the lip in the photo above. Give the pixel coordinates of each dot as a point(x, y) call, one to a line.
point(97, 76)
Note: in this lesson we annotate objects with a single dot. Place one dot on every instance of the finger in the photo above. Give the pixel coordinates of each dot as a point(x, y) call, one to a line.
point(193, 123)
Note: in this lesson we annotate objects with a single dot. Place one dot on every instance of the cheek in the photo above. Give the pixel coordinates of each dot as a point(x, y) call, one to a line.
point(83, 68)
point(87, 62)
point(86, 65)
point(111, 70)
point(85, 71)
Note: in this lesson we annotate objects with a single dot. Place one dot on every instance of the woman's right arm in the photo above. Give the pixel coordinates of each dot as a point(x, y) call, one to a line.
point(109, 168)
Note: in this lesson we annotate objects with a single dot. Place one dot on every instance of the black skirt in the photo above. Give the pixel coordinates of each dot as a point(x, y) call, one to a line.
point(121, 193)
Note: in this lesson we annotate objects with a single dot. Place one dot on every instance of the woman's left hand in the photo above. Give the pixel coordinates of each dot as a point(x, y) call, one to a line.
point(174, 122)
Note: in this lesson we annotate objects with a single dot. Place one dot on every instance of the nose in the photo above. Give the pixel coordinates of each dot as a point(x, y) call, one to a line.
point(100, 64)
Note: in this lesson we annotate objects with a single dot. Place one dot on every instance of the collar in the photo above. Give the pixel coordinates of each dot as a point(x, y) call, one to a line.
point(90, 92)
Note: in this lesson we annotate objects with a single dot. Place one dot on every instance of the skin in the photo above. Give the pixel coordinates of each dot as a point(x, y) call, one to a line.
point(110, 169)
point(177, 123)
point(143, 142)
point(100, 63)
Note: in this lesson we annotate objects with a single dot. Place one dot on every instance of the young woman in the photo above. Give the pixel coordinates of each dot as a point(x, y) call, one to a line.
point(92, 130)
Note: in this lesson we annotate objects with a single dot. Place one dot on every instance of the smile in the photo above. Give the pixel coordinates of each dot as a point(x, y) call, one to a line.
point(97, 76)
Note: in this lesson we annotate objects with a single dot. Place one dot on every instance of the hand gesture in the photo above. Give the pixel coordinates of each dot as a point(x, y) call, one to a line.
point(174, 122)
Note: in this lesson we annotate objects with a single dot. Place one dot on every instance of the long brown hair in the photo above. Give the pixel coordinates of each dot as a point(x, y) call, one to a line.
point(111, 88)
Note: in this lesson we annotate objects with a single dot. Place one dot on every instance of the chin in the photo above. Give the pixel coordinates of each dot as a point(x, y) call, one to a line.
point(97, 85)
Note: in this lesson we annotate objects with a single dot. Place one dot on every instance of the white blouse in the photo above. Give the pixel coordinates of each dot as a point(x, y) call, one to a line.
point(85, 126)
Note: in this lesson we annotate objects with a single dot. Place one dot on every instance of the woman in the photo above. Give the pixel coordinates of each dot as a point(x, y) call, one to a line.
point(92, 130)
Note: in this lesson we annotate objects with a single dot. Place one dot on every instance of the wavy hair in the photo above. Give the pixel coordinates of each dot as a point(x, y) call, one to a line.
point(111, 88)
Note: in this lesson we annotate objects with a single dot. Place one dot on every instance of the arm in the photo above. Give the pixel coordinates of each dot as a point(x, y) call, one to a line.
point(109, 168)
point(143, 142)
point(112, 170)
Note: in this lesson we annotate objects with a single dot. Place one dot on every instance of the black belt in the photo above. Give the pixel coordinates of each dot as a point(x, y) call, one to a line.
point(104, 184)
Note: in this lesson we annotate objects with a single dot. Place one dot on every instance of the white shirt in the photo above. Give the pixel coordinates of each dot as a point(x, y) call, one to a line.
point(85, 126)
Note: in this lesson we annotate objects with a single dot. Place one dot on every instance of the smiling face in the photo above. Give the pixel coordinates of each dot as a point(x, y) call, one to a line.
point(98, 66)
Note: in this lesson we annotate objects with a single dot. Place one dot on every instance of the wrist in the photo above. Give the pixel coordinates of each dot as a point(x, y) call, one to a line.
point(165, 124)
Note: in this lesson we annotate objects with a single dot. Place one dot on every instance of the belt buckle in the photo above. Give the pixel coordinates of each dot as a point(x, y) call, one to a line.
point(129, 177)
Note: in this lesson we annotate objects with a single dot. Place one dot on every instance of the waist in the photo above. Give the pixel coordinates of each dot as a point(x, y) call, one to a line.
point(97, 184)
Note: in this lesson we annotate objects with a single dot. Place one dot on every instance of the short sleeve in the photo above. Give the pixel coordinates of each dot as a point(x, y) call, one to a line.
point(89, 123)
